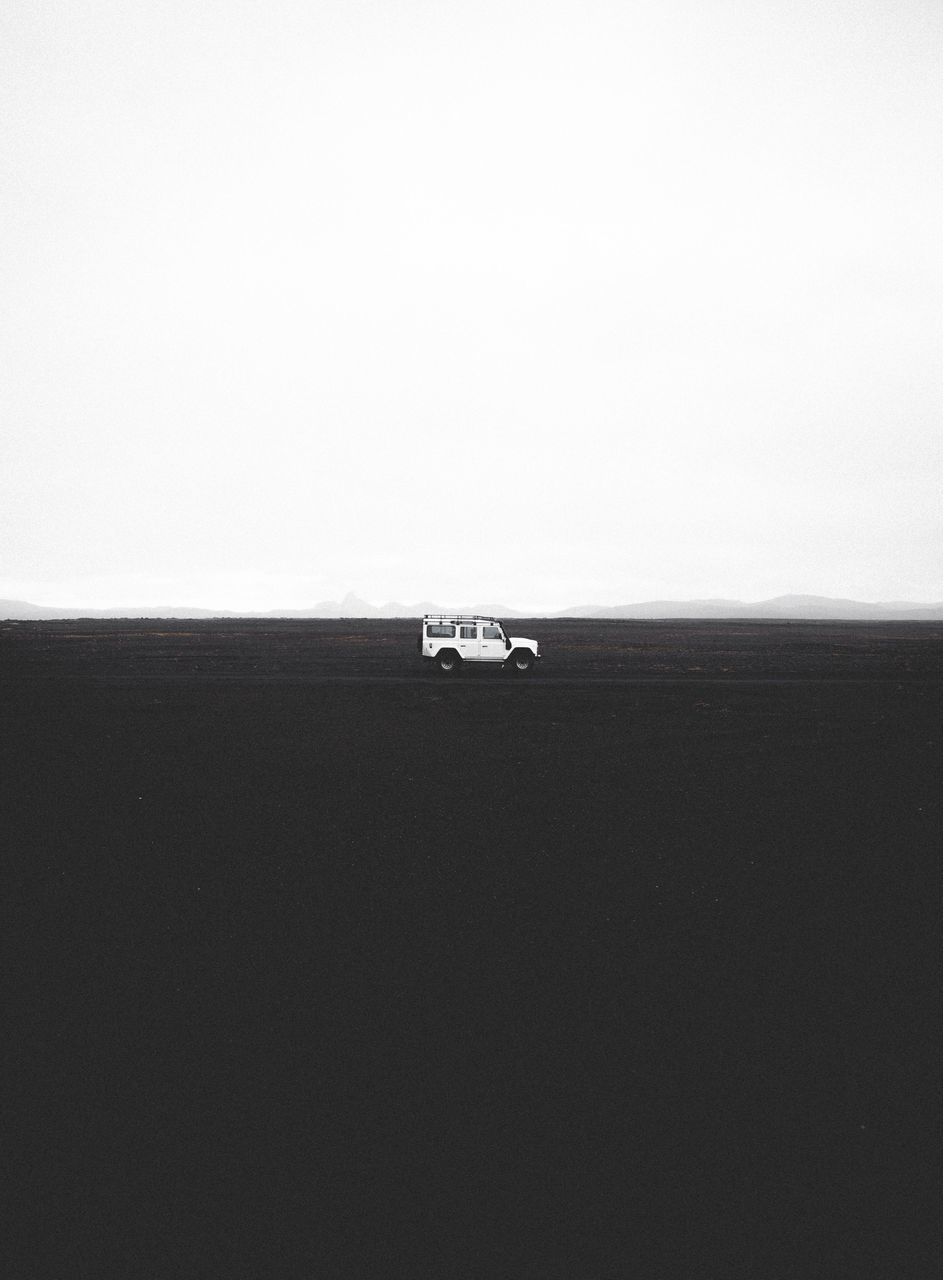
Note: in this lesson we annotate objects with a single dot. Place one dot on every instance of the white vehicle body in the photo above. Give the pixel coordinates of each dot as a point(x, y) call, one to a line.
point(448, 640)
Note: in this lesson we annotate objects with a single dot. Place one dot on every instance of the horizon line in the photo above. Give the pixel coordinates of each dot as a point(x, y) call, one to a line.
point(797, 600)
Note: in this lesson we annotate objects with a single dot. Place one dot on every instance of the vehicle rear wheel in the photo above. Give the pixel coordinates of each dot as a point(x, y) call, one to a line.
point(448, 662)
point(521, 662)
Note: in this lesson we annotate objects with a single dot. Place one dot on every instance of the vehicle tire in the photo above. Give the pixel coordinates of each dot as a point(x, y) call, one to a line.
point(521, 662)
point(448, 662)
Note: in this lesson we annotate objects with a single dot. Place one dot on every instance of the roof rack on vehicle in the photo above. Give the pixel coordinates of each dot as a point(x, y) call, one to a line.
point(459, 617)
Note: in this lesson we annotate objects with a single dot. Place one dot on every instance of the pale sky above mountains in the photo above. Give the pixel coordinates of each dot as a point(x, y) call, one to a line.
point(544, 303)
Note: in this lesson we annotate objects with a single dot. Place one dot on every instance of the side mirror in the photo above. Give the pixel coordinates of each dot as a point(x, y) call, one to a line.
point(507, 643)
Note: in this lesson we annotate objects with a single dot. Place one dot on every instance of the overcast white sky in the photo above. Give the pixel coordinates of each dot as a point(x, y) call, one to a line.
point(544, 303)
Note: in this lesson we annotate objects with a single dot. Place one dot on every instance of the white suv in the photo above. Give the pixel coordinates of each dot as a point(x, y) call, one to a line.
point(450, 639)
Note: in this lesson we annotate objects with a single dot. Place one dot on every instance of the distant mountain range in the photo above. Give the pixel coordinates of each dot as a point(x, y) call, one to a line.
point(797, 607)
point(785, 607)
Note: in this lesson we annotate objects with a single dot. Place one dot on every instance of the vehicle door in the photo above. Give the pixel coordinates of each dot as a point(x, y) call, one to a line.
point(438, 636)
point(468, 642)
point(493, 648)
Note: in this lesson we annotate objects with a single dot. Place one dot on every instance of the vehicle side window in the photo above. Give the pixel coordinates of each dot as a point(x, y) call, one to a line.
point(491, 633)
point(468, 633)
point(437, 630)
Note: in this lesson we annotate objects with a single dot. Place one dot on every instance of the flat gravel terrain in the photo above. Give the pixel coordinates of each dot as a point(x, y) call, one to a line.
point(317, 965)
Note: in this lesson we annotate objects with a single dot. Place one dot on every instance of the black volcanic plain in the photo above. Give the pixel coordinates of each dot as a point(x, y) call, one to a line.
point(319, 965)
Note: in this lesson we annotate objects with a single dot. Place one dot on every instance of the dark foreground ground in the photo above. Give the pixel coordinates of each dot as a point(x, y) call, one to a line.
point(318, 967)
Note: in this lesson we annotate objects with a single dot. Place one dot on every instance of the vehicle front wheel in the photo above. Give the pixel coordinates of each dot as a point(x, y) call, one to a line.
point(448, 662)
point(521, 662)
